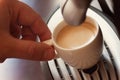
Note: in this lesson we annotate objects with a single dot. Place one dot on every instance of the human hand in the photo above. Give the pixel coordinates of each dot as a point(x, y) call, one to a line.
point(16, 19)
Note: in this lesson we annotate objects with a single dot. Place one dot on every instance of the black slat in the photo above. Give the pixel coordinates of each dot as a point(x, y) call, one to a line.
point(105, 8)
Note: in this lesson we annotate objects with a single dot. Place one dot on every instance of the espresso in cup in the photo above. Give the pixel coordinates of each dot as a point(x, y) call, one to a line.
point(75, 36)
point(79, 46)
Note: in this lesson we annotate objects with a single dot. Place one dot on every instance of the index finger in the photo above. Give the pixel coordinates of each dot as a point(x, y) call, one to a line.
point(28, 17)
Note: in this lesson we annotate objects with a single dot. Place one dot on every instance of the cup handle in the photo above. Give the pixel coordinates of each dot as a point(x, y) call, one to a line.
point(56, 56)
point(50, 43)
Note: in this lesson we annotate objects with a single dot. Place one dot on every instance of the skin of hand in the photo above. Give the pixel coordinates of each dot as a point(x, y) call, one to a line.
point(16, 19)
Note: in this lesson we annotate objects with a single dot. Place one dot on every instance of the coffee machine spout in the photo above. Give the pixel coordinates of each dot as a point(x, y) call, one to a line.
point(74, 11)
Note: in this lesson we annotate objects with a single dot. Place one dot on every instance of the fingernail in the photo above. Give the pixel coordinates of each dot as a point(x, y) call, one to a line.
point(48, 42)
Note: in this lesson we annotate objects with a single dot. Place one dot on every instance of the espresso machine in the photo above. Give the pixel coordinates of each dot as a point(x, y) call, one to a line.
point(56, 69)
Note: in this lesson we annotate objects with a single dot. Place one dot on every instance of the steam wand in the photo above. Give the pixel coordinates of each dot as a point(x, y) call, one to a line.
point(74, 11)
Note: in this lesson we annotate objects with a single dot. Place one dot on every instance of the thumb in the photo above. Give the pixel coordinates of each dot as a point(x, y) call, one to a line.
point(31, 50)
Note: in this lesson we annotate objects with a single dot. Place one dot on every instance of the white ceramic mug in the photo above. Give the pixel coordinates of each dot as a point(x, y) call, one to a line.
point(85, 55)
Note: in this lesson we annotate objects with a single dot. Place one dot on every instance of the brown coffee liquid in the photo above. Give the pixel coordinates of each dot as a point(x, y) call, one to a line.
point(72, 37)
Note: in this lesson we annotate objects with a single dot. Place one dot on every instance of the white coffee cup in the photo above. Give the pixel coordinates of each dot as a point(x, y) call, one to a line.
point(82, 56)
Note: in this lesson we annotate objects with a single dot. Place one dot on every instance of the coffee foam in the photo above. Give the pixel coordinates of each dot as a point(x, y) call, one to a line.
point(72, 37)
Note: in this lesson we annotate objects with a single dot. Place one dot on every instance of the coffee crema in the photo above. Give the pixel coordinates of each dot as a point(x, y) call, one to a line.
point(71, 37)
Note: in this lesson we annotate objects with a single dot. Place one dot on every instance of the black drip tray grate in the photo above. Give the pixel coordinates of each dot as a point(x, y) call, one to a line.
point(106, 69)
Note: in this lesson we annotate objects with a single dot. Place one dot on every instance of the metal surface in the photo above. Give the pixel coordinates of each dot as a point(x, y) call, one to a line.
point(74, 11)
point(109, 66)
point(43, 7)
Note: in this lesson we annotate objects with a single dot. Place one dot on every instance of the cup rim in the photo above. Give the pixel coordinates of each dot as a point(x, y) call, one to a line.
point(81, 46)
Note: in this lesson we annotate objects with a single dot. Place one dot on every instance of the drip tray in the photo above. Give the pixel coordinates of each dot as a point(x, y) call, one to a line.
point(106, 69)
point(108, 66)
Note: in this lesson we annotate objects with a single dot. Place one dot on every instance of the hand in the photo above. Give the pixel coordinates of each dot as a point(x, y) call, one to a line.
point(16, 19)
